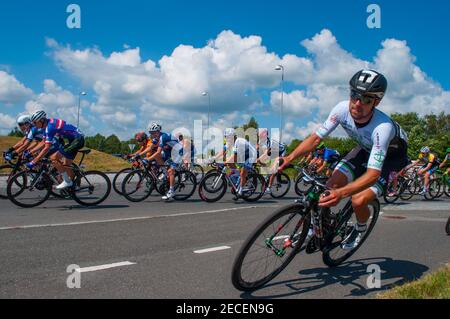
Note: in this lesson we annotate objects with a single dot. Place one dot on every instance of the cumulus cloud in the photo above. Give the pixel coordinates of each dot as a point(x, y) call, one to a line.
point(7, 123)
point(11, 90)
point(59, 103)
point(237, 71)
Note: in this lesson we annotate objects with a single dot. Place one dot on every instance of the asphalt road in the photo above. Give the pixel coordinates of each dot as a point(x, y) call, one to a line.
point(159, 250)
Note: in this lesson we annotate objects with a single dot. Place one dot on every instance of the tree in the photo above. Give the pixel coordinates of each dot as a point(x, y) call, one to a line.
point(16, 133)
point(112, 145)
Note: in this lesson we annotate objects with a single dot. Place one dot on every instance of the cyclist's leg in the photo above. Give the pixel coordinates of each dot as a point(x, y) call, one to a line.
point(69, 152)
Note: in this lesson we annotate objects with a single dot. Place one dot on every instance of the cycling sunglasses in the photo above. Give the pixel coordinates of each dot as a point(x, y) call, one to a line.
point(365, 99)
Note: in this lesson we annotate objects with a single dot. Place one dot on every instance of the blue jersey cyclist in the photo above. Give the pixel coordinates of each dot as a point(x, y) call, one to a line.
point(328, 159)
point(30, 139)
point(169, 153)
point(382, 148)
point(65, 155)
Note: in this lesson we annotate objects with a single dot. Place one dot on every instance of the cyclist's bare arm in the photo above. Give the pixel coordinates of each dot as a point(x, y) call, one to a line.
point(24, 146)
point(443, 163)
point(322, 167)
point(20, 143)
point(43, 152)
point(37, 147)
point(308, 145)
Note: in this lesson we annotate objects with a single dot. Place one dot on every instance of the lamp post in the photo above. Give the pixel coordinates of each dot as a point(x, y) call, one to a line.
point(79, 105)
point(281, 68)
point(209, 105)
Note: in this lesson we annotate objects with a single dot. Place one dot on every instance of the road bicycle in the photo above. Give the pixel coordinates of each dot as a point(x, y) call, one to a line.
point(31, 188)
point(443, 179)
point(13, 165)
point(139, 184)
point(214, 185)
point(279, 238)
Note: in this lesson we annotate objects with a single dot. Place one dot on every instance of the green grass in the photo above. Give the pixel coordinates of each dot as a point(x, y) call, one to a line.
point(94, 161)
point(432, 286)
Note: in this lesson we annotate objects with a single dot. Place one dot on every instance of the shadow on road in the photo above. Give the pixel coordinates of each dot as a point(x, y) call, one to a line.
point(354, 273)
point(80, 208)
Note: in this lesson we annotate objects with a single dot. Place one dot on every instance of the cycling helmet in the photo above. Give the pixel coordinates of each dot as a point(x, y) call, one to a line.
point(369, 82)
point(39, 115)
point(141, 137)
point(154, 127)
point(24, 119)
point(425, 150)
point(448, 150)
point(228, 132)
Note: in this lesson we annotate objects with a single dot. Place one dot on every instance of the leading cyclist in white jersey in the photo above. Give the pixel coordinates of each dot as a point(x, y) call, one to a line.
point(382, 148)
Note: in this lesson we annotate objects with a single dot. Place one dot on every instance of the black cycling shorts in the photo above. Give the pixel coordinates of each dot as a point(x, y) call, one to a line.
point(354, 165)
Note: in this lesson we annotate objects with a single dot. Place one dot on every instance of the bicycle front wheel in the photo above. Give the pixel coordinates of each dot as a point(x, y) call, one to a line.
point(212, 187)
point(92, 188)
point(336, 253)
point(28, 189)
point(5, 176)
point(137, 186)
point(270, 248)
point(433, 190)
point(254, 188)
point(281, 185)
point(118, 179)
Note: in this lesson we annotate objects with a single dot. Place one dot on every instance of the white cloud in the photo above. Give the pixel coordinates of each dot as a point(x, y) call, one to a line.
point(11, 90)
point(59, 103)
point(7, 123)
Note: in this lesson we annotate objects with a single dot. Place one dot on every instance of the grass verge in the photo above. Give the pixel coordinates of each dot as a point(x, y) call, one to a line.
point(432, 286)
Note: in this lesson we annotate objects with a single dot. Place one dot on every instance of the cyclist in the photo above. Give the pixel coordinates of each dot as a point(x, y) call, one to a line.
point(382, 148)
point(430, 164)
point(64, 157)
point(270, 145)
point(148, 146)
point(188, 146)
point(168, 153)
point(31, 136)
point(446, 162)
point(244, 156)
point(329, 159)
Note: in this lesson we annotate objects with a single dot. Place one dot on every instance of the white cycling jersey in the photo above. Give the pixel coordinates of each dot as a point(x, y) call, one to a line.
point(245, 151)
point(379, 137)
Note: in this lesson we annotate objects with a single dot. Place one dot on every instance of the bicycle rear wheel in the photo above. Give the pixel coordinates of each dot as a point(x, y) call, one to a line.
point(199, 172)
point(28, 189)
point(255, 187)
point(187, 184)
point(281, 185)
point(433, 190)
point(137, 186)
point(92, 188)
point(270, 248)
point(334, 254)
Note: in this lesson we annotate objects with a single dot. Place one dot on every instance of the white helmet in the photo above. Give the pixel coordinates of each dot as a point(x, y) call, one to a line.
point(24, 119)
point(228, 132)
point(154, 127)
point(425, 150)
point(39, 115)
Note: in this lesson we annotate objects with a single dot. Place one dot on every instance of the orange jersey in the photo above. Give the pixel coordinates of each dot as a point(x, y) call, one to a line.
point(148, 144)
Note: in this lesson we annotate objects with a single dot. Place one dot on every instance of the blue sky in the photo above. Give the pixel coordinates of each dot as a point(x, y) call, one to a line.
point(158, 27)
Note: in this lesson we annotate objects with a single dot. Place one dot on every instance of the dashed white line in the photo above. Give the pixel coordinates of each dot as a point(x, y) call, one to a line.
point(103, 267)
point(209, 250)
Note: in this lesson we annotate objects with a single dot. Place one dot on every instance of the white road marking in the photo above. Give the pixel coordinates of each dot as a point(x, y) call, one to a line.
point(133, 218)
point(103, 267)
point(209, 250)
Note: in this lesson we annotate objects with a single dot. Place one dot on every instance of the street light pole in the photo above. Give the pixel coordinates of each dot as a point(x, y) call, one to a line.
point(79, 105)
point(281, 68)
